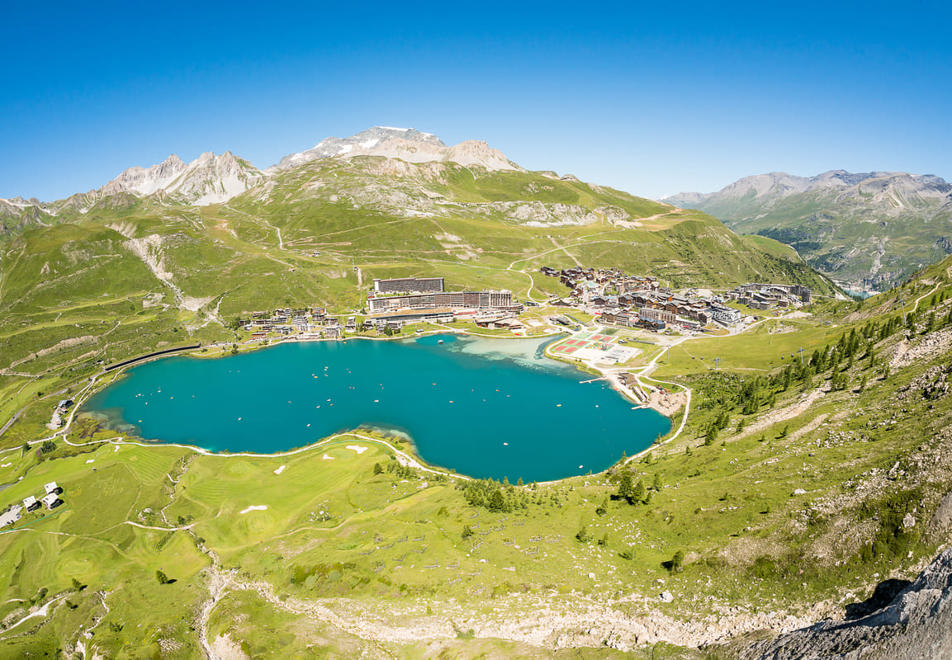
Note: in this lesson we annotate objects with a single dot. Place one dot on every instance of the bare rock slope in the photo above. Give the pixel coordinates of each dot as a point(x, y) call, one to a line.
point(916, 623)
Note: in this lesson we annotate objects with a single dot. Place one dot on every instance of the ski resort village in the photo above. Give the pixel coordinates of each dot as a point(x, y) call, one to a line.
point(595, 297)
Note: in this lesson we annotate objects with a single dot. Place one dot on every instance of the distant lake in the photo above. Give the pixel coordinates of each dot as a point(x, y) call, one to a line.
point(483, 407)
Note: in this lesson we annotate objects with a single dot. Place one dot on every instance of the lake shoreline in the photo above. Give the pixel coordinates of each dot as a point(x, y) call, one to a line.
point(538, 352)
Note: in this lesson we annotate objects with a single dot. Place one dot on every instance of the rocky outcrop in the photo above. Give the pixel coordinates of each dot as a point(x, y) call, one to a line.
point(914, 623)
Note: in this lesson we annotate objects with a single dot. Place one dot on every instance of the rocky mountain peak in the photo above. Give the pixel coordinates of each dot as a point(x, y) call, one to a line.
point(146, 180)
point(209, 179)
point(406, 144)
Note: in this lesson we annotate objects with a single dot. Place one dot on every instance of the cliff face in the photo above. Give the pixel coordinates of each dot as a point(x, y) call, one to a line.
point(915, 623)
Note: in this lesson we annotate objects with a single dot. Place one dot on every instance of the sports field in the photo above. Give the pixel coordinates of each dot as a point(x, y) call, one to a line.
point(583, 340)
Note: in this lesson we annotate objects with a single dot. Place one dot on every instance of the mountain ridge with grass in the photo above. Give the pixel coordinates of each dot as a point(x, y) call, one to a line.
point(868, 231)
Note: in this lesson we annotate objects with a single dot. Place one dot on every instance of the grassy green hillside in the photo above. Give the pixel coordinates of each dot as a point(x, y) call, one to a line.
point(342, 543)
point(809, 490)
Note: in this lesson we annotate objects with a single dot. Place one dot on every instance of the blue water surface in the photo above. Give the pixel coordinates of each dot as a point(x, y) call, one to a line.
point(483, 407)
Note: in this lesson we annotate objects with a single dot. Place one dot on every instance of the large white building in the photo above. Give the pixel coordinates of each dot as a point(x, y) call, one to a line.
point(409, 285)
point(442, 299)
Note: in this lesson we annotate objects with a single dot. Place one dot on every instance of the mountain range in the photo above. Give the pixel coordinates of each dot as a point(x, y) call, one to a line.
point(208, 240)
point(868, 231)
point(213, 179)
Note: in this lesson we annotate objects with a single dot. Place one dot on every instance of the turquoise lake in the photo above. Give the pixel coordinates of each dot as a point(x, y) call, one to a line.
point(483, 407)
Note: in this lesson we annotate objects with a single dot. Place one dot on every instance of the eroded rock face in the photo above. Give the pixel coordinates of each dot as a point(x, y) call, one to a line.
point(916, 623)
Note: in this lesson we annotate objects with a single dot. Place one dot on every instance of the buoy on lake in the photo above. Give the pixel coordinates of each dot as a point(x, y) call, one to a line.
point(440, 341)
point(580, 467)
point(239, 419)
point(505, 444)
point(308, 426)
point(558, 405)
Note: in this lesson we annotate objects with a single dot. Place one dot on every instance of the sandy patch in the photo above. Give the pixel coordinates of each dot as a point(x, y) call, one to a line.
point(226, 649)
point(357, 448)
point(280, 469)
point(254, 507)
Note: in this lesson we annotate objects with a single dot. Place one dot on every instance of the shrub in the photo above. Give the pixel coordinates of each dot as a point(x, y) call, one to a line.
point(677, 562)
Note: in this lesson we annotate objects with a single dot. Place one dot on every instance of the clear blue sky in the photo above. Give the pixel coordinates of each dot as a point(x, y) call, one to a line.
point(653, 100)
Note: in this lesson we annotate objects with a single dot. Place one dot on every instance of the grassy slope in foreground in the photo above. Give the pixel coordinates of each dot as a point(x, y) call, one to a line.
point(335, 534)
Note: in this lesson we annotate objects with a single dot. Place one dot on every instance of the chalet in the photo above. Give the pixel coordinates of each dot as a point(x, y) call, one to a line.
point(52, 488)
point(11, 516)
point(51, 501)
point(30, 503)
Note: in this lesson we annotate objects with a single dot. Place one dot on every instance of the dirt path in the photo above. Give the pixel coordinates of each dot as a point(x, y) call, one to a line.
point(925, 295)
point(783, 414)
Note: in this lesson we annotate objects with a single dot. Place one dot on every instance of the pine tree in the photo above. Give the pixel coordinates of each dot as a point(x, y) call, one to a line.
point(626, 490)
point(638, 495)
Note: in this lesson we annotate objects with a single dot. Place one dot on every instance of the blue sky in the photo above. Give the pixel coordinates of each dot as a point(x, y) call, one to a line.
point(653, 100)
